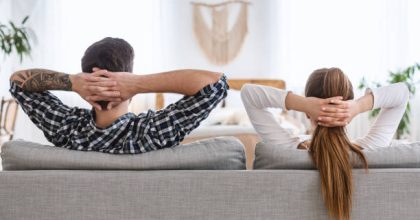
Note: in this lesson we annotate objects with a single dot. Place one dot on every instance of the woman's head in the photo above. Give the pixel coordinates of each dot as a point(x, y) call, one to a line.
point(329, 82)
point(330, 147)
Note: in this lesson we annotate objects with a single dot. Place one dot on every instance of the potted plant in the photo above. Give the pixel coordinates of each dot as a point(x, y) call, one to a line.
point(406, 76)
point(15, 39)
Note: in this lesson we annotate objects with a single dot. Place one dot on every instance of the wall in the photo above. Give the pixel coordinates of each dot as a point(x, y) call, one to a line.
point(181, 50)
point(5, 62)
point(286, 40)
point(289, 39)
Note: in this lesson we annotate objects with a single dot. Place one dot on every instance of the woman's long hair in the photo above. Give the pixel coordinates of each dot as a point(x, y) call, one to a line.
point(330, 148)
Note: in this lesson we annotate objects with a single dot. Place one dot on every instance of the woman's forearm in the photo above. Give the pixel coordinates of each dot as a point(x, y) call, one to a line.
point(330, 112)
point(365, 103)
point(186, 82)
point(296, 102)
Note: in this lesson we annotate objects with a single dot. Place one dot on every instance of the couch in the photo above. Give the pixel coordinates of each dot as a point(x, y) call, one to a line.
point(287, 188)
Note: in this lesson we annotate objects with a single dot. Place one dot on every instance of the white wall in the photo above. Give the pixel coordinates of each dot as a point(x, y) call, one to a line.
point(5, 62)
point(64, 29)
point(286, 40)
point(43, 54)
point(181, 50)
point(289, 39)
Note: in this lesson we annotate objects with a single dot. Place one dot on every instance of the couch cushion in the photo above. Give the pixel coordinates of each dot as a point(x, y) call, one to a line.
point(268, 156)
point(224, 153)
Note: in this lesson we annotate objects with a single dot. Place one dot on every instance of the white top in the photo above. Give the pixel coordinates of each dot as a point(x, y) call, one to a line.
point(391, 99)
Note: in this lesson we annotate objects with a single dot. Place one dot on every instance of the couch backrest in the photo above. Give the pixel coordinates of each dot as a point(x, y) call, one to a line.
point(268, 156)
point(224, 153)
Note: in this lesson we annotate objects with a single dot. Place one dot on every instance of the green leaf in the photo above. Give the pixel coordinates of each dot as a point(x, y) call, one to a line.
point(15, 39)
point(25, 19)
point(374, 113)
point(362, 83)
point(12, 25)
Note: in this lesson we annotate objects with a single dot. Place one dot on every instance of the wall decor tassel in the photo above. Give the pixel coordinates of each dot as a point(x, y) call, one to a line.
point(219, 44)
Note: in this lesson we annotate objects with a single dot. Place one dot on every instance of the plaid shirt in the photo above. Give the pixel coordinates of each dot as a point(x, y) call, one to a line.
point(74, 128)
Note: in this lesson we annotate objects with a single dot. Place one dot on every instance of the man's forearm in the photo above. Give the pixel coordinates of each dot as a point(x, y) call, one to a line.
point(39, 80)
point(187, 82)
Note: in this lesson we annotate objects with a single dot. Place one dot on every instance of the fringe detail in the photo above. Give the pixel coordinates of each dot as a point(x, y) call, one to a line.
point(219, 44)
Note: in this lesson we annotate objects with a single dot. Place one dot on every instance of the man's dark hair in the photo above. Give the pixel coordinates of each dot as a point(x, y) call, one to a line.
point(112, 54)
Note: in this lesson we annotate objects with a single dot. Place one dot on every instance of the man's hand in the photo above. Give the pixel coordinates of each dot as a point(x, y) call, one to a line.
point(89, 85)
point(122, 88)
point(331, 112)
point(186, 82)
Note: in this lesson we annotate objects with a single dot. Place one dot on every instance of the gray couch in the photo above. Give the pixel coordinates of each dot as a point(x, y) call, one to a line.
point(144, 191)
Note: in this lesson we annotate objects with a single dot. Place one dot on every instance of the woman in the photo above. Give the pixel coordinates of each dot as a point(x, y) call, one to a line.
point(329, 105)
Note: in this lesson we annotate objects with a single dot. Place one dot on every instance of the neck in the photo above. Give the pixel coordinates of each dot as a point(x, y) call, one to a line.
point(105, 118)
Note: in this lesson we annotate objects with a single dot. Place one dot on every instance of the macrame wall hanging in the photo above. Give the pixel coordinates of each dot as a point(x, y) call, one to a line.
point(219, 44)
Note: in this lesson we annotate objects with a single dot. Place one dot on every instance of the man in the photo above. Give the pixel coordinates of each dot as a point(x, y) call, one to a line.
point(108, 85)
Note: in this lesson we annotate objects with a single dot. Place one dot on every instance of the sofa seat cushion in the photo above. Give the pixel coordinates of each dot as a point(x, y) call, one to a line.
point(268, 156)
point(224, 153)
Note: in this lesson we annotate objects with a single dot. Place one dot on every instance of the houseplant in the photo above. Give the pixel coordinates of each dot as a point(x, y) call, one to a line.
point(15, 39)
point(406, 76)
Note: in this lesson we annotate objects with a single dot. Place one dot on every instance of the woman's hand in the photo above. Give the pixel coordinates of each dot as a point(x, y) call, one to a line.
point(337, 113)
point(346, 110)
point(331, 112)
point(342, 112)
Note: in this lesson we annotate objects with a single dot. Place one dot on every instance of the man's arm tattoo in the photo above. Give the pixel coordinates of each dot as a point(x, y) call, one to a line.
point(39, 80)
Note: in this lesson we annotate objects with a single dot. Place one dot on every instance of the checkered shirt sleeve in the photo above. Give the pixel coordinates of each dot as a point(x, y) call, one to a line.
point(44, 109)
point(169, 126)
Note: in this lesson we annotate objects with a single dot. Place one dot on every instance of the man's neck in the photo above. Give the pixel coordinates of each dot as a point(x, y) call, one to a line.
point(105, 118)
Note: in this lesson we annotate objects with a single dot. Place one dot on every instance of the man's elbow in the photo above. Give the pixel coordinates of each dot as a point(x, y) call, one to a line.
point(215, 77)
point(14, 76)
point(17, 77)
point(211, 78)
point(201, 80)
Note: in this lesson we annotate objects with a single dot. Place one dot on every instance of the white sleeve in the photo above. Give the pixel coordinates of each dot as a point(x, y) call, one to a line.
point(256, 100)
point(392, 100)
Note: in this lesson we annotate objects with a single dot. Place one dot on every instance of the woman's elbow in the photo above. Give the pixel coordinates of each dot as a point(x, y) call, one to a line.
point(405, 92)
point(246, 92)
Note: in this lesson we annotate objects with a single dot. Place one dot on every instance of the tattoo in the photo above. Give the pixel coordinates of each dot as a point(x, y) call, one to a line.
point(39, 80)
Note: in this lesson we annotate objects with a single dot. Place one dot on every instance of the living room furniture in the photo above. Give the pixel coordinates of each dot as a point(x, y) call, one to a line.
point(8, 113)
point(389, 190)
point(246, 135)
point(383, 194)
point(222, 153)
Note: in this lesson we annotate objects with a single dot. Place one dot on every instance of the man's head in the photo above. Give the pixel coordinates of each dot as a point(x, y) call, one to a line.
point(112, 54)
